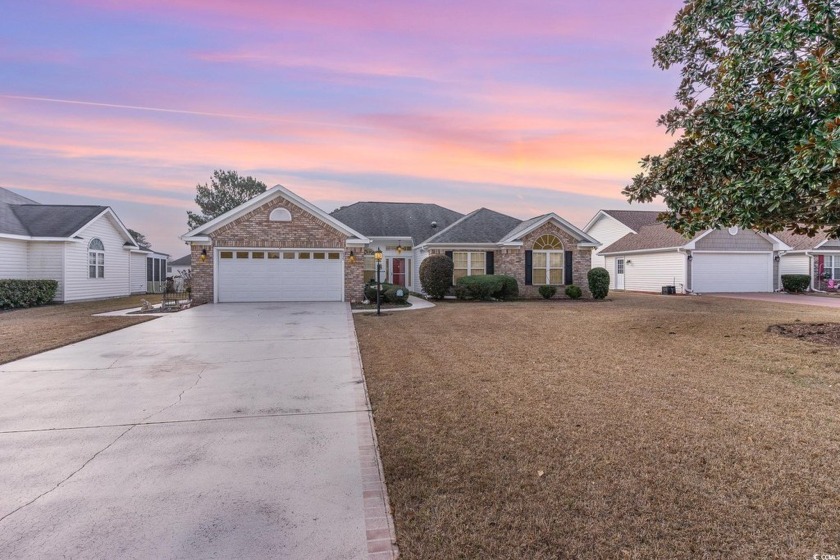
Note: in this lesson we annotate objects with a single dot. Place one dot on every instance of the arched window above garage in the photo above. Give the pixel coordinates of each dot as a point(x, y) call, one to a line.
point(280, 215)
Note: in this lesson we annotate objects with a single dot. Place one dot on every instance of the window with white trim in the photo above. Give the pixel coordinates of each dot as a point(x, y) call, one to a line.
point(468, 264)
point(831, 265)
point(96, 258)
point(547, 261)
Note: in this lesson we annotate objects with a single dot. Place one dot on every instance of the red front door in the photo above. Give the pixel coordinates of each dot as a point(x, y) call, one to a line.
point(398, 272)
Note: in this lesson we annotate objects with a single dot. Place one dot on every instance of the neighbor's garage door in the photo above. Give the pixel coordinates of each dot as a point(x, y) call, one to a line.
point(265, 275)
point(732, 272)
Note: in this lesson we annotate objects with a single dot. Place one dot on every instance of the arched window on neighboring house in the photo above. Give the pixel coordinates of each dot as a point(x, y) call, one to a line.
point(96, 258)
point(548, 261)
point(280, 215)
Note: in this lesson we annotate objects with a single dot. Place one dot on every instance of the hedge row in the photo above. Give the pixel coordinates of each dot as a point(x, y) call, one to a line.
point(487, 286)
point(26, 293)
point(389, 293)
point(796, 282)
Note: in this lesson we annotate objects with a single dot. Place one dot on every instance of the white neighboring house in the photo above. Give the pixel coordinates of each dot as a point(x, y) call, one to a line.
point(177, 268)
point(86, 249)
point(148, 271)
point(650, 256)
point(818, 257)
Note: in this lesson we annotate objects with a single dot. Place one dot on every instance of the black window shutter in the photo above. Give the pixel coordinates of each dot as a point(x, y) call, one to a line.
point(449, 254)
point(567, 276)
point(529, 276)
point(488, 263)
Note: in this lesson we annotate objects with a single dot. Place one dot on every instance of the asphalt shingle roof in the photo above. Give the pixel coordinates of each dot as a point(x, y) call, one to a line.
point(656, 236)
point(634, 219)
point(22, 216)
point(480, 226)
point(800, 242)
point(186, 260)
point(396, 219)
point(9, 197)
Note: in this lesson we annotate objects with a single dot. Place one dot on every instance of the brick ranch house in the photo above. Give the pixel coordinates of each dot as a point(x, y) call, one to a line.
point(280, 247)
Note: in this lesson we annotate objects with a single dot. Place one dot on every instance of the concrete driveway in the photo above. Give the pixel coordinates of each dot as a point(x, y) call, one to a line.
point(225, 431)
point(798, 299)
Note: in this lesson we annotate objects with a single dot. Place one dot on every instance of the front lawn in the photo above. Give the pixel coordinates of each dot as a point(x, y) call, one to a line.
point(25, 332)
point(644, 427)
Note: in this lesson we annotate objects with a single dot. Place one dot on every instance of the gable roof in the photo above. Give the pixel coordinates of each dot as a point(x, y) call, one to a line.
point(396, 219)
point(9, 197)
point(200, 233)
point(655, 236)
point(634, 219)
point(186, 260)
point(479, 226)
point(584, 239)
point(800, 242)
point(49, 220)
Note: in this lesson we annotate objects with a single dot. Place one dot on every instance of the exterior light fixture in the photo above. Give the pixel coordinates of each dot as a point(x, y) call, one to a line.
point(378, 256)
point(690, 258)
point(399, 249)
point(352, 258)
point(203, 256)
point(777, 258)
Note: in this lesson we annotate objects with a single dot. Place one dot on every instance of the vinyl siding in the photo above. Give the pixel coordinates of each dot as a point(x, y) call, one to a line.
point(794, 264)
point(648, 272)
point(46, 262)
point(138, 273)
point(116, 281)
point(744, 240)
point(14, 259)
point(607, 231)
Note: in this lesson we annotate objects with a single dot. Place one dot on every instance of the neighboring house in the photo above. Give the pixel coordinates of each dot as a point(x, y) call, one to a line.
point(177, 269)
point(816, 256)
point(279, 247)
point(86, 249)
point(148, 271)
point(608, 226)
point(650, 255)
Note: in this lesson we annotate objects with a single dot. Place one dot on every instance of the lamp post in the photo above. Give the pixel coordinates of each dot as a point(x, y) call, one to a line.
point(378, 256)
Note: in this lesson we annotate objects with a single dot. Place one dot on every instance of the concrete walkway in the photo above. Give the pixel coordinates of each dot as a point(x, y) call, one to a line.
point(798, 299)
point(224, 431)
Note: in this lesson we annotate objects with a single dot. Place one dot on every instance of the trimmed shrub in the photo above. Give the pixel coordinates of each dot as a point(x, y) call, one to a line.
point(436, 275)
point(26, 293)
point(599, 282)
point(388, 291)
point(487, 286)
point(510, 288)
point(573, 292)
point(547, 292)
point(796, 282)
point(392, 294)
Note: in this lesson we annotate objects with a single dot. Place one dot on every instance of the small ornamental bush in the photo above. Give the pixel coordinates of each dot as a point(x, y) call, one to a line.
point(396, 294)
point(599, 282)
point(796, 282)
point(436, 275)
point(574, 292)
point(486, 287)
point(547, 292)
point(26, 293)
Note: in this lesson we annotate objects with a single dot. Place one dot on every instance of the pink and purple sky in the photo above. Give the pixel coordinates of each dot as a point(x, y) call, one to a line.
point(522, 107)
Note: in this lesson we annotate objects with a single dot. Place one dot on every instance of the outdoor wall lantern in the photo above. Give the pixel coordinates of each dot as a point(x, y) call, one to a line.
point(399, 248)
point(777, 258)
point(378, 256)
point(203, 256)
point(352, 258)
point(690, 258)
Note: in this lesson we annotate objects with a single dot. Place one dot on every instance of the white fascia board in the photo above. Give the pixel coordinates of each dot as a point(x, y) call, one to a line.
point(200, 239)
point(778, 244)
point(691, 244)
point(641, 251)
point(362, 242)
point(276, 190)
point(613, 218)
point(115, 221)
point(30, 238)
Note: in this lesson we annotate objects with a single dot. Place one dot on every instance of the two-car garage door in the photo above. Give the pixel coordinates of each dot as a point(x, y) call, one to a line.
point(278, 275)
point(732, 272)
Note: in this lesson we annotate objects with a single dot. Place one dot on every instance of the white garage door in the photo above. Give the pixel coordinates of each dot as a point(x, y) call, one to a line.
point(275, 275)
point(732, 272)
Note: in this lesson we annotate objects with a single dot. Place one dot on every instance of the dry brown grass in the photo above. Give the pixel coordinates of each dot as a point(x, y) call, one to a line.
point(25, 332)
point(665, 427)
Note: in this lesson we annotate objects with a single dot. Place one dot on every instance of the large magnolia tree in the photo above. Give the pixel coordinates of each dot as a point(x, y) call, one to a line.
point(758, 118)
point(226, 191)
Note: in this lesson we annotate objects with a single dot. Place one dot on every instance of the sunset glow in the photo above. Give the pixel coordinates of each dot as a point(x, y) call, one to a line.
point(525, 107)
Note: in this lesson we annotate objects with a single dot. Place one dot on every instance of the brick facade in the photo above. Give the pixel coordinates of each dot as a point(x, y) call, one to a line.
point(511, 260)
point(255, 230)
